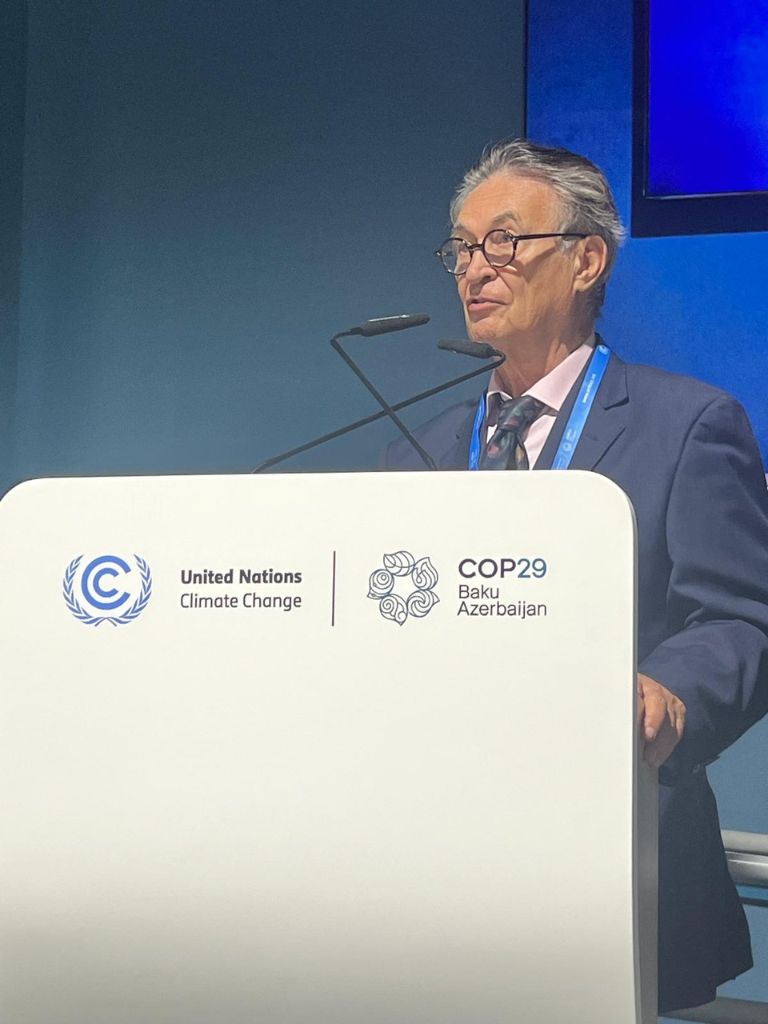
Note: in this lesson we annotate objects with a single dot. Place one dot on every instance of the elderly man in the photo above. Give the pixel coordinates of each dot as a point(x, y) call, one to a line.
point(535, 233)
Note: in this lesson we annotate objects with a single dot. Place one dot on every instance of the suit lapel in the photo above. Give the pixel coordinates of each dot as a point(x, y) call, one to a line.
point(606, 421)
point(457, 455)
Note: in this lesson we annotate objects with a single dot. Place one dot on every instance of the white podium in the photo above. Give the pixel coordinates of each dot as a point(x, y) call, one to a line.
point(355, 749)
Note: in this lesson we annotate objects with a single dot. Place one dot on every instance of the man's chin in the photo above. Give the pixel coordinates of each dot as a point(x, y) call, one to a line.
point(483, 333)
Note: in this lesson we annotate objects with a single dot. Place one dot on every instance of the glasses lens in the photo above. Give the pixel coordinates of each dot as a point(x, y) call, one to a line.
point(499, 248)
point(453, 254)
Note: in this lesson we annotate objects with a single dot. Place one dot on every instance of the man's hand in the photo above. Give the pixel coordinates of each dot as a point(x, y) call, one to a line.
point(661, 718)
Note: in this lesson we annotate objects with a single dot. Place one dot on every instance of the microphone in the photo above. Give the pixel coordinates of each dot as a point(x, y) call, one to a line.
point(478, 349)
point(385, 324)
point(467, 348)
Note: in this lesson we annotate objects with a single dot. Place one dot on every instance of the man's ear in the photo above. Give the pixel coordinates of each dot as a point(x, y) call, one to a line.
point(590, 258)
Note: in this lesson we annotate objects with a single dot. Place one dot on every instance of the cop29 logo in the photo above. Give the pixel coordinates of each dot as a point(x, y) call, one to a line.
point(404, 587)
point(107, 589)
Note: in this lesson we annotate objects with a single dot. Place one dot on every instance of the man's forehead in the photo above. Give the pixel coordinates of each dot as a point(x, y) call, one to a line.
point(505, 218)
point(508, 200)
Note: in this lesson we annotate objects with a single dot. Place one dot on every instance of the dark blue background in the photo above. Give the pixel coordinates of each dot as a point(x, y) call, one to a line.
point(209, 192)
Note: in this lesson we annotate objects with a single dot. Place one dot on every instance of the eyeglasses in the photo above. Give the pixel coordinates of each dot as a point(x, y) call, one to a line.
point(499, 248)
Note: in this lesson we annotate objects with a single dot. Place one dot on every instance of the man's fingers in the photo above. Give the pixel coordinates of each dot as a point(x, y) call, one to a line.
point(663, 717)
point(667, 737)
point(656, 712)
point(657, 752)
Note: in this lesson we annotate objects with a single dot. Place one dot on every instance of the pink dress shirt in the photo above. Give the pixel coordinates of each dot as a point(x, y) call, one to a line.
point(552, 390)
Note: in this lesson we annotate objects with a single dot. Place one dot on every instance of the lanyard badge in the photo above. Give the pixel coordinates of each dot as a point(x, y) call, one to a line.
point(576, 421)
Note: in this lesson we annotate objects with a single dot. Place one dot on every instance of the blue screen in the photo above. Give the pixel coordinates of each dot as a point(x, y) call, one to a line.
point(708, 98)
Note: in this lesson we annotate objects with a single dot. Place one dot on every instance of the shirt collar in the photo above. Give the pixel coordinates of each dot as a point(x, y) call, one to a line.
point(553, 388)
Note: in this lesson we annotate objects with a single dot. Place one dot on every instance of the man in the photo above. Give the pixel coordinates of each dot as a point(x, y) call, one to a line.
point(535, 233)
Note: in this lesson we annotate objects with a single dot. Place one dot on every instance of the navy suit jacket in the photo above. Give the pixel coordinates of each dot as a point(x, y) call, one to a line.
point(685, 455)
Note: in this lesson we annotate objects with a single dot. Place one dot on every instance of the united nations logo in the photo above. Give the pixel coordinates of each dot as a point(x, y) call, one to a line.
point(404, 586)
point(107, 584)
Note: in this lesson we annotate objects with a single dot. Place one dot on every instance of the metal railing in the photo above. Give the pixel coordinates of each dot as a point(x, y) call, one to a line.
point(747, 854)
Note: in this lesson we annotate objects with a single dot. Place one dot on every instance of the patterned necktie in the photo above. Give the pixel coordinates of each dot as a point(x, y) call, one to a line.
point(505, 449)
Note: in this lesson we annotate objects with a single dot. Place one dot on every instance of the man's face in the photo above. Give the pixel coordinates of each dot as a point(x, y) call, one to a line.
point(532, 299)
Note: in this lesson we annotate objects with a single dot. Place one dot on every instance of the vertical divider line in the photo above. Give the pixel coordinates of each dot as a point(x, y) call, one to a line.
point(333, 591)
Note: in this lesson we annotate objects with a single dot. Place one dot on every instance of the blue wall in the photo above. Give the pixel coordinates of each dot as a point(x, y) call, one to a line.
point(210, 191)
point(695, 305)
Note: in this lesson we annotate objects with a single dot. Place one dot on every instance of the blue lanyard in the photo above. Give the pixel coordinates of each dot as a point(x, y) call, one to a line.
point(576, 421)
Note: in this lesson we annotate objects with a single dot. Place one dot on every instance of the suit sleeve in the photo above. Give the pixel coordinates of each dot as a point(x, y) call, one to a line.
point(716, 658)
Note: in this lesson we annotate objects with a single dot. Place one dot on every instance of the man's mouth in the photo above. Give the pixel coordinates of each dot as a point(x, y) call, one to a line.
point(481, 304)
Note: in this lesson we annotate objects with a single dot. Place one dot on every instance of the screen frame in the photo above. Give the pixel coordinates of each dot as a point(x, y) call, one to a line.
point(657, 216)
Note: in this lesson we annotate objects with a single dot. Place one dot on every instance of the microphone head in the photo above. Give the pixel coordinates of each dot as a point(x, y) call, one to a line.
point(477, 349)
point(385, 324)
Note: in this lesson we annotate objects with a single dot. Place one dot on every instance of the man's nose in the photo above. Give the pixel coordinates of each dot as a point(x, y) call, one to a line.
point(479, 268)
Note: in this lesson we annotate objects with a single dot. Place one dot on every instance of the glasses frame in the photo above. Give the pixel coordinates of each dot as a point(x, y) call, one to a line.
point(480, 246)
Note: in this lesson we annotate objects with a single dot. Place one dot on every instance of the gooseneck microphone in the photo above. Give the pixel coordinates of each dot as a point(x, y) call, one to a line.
point(478, 349)
point(369, 328)
point(469, 348)
point(385, 324)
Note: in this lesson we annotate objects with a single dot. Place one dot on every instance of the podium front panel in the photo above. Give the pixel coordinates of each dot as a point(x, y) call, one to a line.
point(322, 748)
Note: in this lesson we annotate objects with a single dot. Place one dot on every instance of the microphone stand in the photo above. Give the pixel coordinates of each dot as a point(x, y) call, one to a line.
point(426, 458)
point(498, 359)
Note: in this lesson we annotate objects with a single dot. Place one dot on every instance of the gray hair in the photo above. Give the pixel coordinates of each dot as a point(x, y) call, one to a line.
point(588, 207)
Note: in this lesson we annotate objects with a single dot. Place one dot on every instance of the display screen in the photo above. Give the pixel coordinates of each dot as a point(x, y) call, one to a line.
point(707, 96)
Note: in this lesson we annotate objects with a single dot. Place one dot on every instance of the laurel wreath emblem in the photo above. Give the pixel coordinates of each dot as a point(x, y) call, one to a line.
point(85, 616)
point(419, 602)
